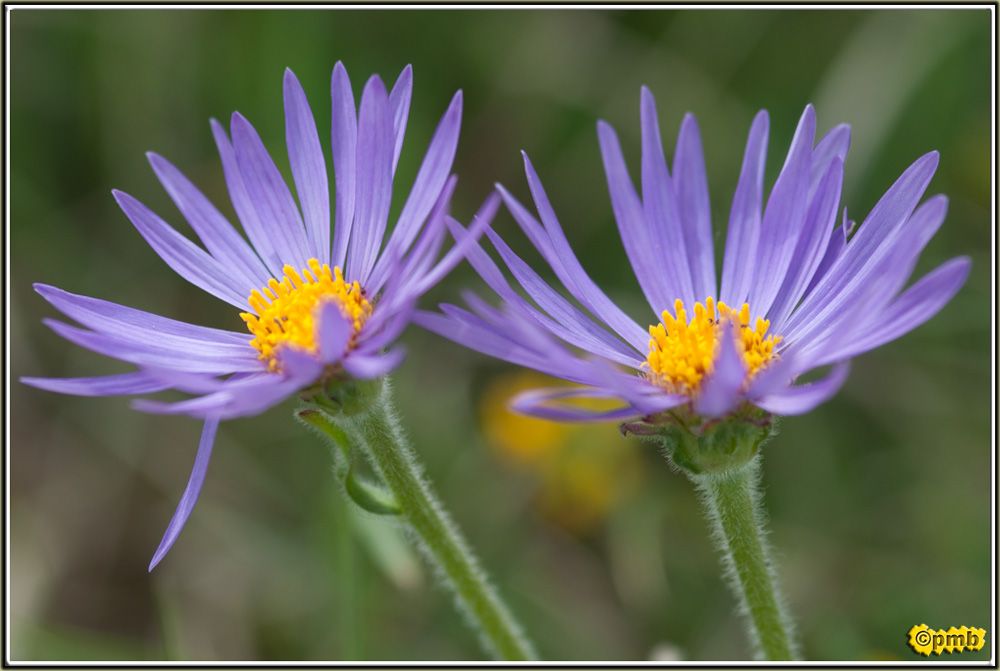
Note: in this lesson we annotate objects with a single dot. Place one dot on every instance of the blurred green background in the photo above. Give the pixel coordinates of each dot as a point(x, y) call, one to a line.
point(879, 500)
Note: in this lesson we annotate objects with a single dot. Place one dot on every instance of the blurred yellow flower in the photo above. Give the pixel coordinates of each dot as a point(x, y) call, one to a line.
point(582, 470)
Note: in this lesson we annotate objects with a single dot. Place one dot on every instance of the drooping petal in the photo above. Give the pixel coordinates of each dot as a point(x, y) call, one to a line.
point(344, 141)
point(268, 194)
point(216, 233)
point(191, 492)
point(635, 234)
point(540, 403)
point(720, 391)
point(123, 384)
point(660, 205)
point(305, 155)
point(691, 187)
point(374, 180)
point(796, 400)
point(745, 217)
point(183, 256)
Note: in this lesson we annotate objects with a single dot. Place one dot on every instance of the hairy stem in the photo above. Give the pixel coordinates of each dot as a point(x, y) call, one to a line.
point(732, 503)
point(368, 422)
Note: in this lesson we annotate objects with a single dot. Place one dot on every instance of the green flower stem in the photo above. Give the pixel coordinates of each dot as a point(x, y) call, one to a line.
point(363, 417)
point(732, 502)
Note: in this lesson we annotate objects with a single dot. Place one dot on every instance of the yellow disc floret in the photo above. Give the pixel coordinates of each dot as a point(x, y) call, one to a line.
point(287, 310)
point(682, 352)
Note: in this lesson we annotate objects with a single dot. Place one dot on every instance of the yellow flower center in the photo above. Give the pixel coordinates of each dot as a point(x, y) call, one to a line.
point(287, 310)
point(682, 352)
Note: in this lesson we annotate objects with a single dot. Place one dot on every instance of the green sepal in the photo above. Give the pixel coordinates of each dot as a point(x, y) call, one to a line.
point(696, 445)
point(370, 496)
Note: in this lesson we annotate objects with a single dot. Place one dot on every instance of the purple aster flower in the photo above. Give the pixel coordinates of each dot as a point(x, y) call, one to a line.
point(316, 309)
point(799, 290)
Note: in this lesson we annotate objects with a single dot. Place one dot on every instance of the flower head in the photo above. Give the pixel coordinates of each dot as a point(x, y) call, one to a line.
point(797, 292)
point(315, 309)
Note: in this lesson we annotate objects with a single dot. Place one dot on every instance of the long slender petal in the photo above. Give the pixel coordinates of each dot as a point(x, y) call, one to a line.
point(305, 155)
point(269, 194)
point(216, 233)
point(183, 256)
point(344, 141)
point(123, 384)
point(691, 187)
point(399, 101)
point(797, 400)
point(540, 403)
point(191, 492)
point(745, 217)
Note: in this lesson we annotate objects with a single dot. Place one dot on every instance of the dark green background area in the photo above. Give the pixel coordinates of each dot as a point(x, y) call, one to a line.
point(879, 500)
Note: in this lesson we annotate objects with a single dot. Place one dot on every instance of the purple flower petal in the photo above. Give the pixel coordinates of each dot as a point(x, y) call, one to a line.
point(783, 217)
point(183, 256)
point(661, 208)
point(258, 232)
point(720, 391)
point(427, 187)
point(691, 187)
point(374, 180)
point(335, 331)
point(308, 167)
point(269, 195)
point(834, 145)
point(191, 492)
point(344, 142)
point(217, 234)
point(803, 398)
point(813, 242)
point(647, 265)
point(745, 217)
point(124, 384)
point(539, 403)
point(369, 366)
point(399, 101)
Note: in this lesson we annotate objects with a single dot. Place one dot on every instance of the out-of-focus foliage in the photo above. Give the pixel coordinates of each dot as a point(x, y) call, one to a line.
point(879, 500)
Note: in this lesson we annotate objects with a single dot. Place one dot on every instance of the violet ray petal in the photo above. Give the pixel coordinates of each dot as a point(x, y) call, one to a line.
point(106, 316)
point(783, 217)
point(660, 205)
point(374, 180)
point(691, 186)
point(574, 277)
point(720, 391)
point(124, 384)
point(538, 403)
point(255, 229)
point(647, 265)
point(570, 324)
point(429, 183)
point(866, 247)
point(334, 331)
point(797, 400)
point(269, 195)
point(183, 256)
point(191, 492)
point(834, 248)
point(813, 242)
point(244, 398)
point(745, 217)
point(344, 141)
point(370, 366)
point(834, 145)
point(305, 155)
point(914, 306)
point(146, 355)
point(213, 229)
point(399, 102)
